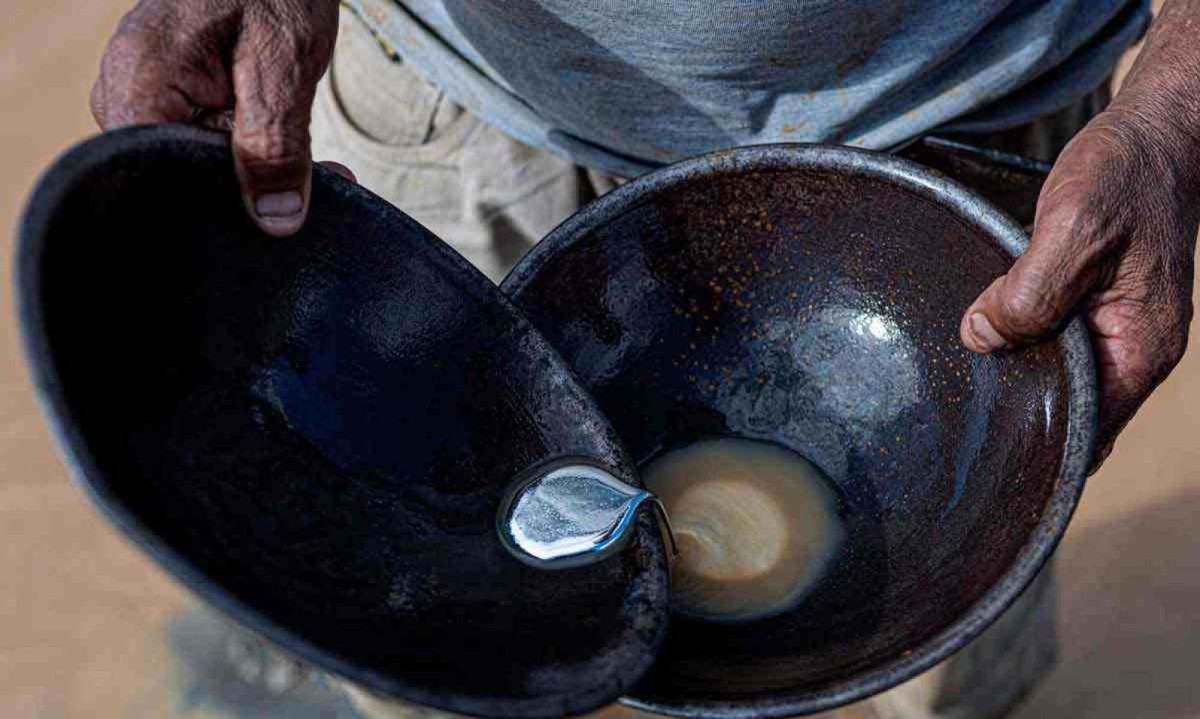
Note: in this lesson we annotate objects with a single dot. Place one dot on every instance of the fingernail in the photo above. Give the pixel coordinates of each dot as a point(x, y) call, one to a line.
point(279, 205)
point(985, 335)
point(280, 213)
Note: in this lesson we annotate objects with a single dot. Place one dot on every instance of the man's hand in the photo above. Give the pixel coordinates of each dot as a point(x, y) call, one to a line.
point(1113, 241)
point(188, 60)
point(1115, 231)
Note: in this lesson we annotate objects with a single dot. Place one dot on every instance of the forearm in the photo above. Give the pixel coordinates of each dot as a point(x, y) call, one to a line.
point(1164, 83)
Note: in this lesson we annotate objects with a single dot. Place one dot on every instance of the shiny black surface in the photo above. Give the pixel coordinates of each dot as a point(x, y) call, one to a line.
point(315, 432)
point(811, 297)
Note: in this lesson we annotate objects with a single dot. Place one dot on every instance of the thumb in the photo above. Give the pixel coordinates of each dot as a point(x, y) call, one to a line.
point(1036, 295)
point(271, 144)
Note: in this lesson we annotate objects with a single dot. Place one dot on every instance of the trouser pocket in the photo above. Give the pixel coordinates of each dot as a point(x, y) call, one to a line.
point(487, 195)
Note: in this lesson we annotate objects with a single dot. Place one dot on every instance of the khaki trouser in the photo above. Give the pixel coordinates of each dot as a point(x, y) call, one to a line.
point(492, 198)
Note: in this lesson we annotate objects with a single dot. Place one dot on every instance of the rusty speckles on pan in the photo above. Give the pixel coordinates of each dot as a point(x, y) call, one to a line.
point(811, 296)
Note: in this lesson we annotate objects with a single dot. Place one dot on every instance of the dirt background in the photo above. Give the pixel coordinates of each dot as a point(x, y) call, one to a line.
point(82, 614)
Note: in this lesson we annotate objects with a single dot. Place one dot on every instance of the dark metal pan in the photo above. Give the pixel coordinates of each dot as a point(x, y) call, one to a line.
point(810, 296)
point(314, 433)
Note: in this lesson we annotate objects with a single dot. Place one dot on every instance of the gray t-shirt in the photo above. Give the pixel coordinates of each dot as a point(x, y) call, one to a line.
point(628, 85)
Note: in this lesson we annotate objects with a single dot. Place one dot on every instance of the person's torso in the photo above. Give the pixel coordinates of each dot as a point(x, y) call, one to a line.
point(656, 81)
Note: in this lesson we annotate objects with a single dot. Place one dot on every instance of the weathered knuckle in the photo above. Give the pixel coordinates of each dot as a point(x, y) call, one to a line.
point(1079, 222)
point(300, 44)
point(1028, 309)
point(273, 147)
point(304, 53)
point(291, 34)
point(1082, 216)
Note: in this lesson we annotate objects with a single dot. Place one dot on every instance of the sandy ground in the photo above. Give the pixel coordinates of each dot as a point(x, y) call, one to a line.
point(82, 613)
